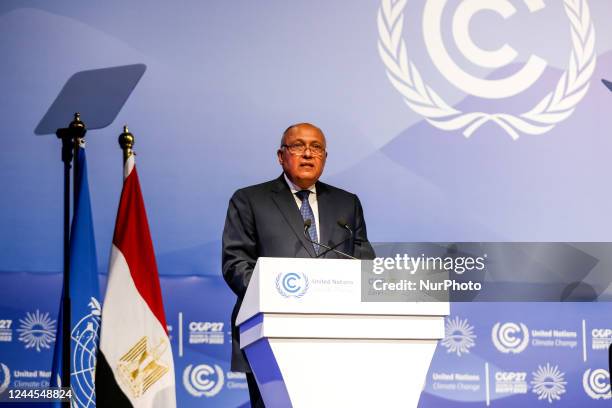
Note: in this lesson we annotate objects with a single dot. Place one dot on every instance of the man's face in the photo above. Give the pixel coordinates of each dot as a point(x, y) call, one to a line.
point(305, 168)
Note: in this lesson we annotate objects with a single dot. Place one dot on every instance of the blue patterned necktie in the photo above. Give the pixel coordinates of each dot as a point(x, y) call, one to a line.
point(306, 211)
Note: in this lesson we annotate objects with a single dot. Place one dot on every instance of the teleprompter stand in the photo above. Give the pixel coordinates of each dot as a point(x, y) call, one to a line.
point(98, 95)
point(608, 85)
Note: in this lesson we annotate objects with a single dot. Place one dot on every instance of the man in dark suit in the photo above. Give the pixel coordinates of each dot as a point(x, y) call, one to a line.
point(269, 220)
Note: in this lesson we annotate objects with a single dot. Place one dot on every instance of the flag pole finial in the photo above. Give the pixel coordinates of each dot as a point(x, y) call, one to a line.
point(77, 122)
point(79, 137)
point(126, 141)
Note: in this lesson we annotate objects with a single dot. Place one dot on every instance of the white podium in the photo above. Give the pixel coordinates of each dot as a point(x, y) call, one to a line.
point(312, 342)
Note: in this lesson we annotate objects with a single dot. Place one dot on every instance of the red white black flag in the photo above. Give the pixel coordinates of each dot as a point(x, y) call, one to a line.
point(135, 366)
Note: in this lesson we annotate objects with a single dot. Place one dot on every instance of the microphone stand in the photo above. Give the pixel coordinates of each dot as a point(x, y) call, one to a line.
point(307, 224)
point(345, 226)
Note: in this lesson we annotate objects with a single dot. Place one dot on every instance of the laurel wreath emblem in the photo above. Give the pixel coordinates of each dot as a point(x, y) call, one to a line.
point(284, 293)
point(554, 108)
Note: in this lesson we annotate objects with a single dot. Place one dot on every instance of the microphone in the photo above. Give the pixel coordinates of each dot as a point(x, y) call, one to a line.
point(307, 224)
point(342, 224)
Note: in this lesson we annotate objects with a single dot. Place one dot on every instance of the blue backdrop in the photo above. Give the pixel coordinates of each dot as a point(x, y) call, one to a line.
point(224, 79)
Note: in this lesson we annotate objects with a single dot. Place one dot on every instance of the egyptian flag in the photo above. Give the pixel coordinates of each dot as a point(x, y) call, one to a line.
point(135, 366)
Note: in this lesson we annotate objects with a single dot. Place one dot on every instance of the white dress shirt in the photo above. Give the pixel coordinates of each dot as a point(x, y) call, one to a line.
point(312, 200)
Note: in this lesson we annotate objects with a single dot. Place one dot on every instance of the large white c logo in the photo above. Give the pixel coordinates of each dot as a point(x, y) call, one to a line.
point(491, 89)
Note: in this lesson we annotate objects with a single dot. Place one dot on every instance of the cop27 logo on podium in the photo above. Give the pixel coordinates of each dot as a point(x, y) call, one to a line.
point(555, 107)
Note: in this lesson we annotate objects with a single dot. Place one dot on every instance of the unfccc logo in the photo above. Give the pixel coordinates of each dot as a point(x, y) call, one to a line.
point(510, 337)
point(292, 284)
point(203, 380)
point(555, 107)
point(6, 377)
point(596, 383)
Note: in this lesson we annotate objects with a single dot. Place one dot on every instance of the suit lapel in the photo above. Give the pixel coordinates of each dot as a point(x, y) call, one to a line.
point(288, 208)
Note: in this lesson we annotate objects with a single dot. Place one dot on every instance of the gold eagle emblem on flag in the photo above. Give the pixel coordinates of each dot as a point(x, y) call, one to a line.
point(141, 366)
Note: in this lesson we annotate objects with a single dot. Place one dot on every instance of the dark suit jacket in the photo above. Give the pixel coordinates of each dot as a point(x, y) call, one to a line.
point(264, 220)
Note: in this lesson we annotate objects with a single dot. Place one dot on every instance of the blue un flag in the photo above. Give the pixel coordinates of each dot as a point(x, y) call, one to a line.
point(84, 294)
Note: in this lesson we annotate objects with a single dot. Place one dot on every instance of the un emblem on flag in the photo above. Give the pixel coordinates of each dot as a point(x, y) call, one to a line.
point(85, 347)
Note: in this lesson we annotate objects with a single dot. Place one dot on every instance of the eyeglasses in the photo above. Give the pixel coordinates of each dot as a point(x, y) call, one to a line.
point(298, 149)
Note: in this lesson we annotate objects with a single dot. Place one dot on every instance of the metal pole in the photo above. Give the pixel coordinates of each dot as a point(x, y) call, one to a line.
point(67, 155)
point(70, 137)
